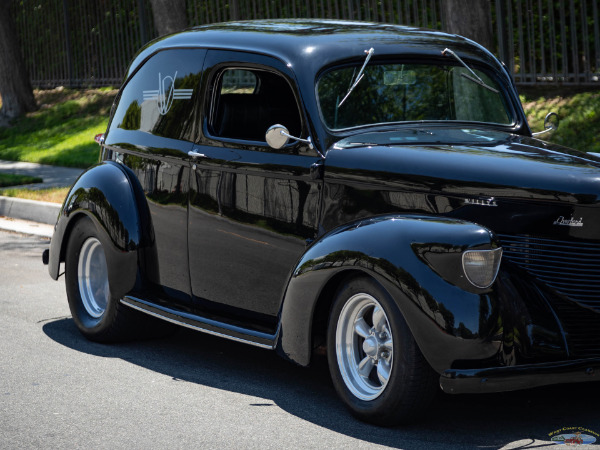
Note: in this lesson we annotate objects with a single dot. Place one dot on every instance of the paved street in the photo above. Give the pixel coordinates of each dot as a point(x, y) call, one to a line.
point(58, 390)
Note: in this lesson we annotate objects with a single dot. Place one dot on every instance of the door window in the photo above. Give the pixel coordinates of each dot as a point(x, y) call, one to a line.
point(248, 101)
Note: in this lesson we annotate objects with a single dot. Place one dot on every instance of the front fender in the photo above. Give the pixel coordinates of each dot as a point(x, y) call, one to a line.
point(105, 194)
point(417, 259)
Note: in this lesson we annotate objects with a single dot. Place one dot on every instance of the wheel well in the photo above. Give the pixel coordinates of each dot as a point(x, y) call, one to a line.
point(323, 307)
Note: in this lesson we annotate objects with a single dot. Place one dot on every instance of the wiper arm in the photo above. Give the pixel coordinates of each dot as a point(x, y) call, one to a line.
point(359, 76)
point(476, 80)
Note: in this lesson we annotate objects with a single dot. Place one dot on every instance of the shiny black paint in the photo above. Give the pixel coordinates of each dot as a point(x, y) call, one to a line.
point(104, 193)
point(508, 378)
point(427, 176)
point(389, 248)
point(251, 220)
point(156, 164)
point(251, 209)
point(219, 243)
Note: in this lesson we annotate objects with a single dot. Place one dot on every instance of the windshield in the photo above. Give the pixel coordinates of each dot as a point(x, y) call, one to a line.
point(410, 92)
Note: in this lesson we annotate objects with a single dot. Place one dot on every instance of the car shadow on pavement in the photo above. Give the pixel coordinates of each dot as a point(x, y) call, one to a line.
point(513, 419)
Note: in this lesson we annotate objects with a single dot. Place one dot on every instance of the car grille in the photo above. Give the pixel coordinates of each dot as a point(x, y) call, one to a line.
point(572, 269)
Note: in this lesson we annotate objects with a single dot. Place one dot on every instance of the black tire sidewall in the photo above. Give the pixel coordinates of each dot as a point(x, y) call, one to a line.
point(387, 409)
point(90, 326)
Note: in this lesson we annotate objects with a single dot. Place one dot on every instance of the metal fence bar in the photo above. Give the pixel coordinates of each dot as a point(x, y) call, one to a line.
point(574, 49)
point(595, 20)
point(552, 36)
point(586, 44)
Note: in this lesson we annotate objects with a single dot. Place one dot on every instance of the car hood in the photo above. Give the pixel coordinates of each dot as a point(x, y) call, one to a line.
point(467, 162)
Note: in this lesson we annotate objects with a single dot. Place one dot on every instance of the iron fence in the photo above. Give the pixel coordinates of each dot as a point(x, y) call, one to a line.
point(549, 42)
point(79, 43)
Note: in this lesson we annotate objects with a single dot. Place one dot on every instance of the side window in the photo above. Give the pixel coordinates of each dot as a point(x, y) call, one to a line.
point(248, 101)
point(238, 81)
point(159, 99)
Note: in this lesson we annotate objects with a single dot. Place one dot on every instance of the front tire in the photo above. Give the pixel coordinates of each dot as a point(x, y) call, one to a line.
point(376, 366)
point(98, 315)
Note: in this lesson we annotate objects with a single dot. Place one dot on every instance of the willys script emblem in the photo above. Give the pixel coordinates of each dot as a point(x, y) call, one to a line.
point(166, 93)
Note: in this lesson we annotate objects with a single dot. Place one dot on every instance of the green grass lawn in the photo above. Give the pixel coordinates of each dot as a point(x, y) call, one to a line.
point(579, 116)
point(9, 179)
point(62, 131)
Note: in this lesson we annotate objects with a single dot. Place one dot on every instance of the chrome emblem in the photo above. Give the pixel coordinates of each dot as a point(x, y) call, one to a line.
point(572, 222)
point(166, 93)
point(481, 202)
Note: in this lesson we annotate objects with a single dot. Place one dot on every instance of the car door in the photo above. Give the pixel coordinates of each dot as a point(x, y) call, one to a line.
point(252, 208)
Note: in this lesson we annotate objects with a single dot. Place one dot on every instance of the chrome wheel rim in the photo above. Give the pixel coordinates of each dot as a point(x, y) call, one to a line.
point(364, 347)
point(92, 275)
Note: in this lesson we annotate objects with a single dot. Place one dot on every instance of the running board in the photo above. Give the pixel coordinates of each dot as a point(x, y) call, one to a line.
point(198, 323)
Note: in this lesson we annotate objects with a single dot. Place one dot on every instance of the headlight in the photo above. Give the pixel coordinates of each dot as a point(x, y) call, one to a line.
point(481, 266)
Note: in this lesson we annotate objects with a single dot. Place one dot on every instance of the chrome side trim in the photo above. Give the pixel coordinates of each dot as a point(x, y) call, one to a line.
point(202, 324)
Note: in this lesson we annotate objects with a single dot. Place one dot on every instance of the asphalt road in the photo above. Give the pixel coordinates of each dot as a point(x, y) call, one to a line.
point(191, 390)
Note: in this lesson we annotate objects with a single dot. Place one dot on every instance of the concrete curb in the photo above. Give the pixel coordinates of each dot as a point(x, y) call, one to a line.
point(35, 211)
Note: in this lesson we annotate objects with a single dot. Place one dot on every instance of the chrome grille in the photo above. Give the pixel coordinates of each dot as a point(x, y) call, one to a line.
point(571, 268)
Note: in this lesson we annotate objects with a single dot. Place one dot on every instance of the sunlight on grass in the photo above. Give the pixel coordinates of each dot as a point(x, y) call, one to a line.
point(62, 131)
point(579, 119)
point(52, 195)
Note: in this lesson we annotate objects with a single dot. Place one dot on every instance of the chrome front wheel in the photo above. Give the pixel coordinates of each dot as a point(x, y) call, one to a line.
point(376, 366)
point(364, 346)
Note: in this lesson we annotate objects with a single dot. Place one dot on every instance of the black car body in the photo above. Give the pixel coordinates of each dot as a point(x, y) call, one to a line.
point(403, 198)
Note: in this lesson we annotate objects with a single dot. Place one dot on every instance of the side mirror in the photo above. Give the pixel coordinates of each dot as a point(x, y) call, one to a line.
point(551, 122)
point(277, 136)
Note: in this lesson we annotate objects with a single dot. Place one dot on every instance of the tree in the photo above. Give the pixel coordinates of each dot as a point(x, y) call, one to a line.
point(15, 87)
point(469, 18)
point(169, 16)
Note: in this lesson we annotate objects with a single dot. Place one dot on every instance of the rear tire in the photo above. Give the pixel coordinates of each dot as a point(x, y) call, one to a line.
point(99, 316)
point(376, 366)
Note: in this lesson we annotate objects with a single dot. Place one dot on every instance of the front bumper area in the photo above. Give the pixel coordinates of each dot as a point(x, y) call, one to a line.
point(512, 378)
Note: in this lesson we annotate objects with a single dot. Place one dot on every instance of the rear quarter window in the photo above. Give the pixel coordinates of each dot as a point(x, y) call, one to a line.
point(159, 98)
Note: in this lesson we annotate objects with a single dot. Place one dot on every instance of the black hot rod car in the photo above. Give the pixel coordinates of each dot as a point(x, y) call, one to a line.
point(372, 189)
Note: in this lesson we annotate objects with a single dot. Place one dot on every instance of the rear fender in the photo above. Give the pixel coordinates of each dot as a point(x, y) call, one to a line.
point(418, 260)
point(105, 193)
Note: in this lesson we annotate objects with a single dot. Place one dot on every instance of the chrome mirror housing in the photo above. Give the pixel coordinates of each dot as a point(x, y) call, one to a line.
point(277, 136)
point(551, 122)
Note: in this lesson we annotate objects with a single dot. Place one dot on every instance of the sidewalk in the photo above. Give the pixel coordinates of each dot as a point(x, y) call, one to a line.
point(29, 216)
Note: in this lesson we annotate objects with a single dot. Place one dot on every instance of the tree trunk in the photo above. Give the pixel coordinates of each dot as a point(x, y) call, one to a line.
point(169, 16)
point(469, 18)
point(15, 87)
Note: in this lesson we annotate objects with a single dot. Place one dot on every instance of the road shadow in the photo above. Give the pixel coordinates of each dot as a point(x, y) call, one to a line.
point(461, 421)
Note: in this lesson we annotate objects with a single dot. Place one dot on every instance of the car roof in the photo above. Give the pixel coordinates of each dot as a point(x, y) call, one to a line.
point(311, 44)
